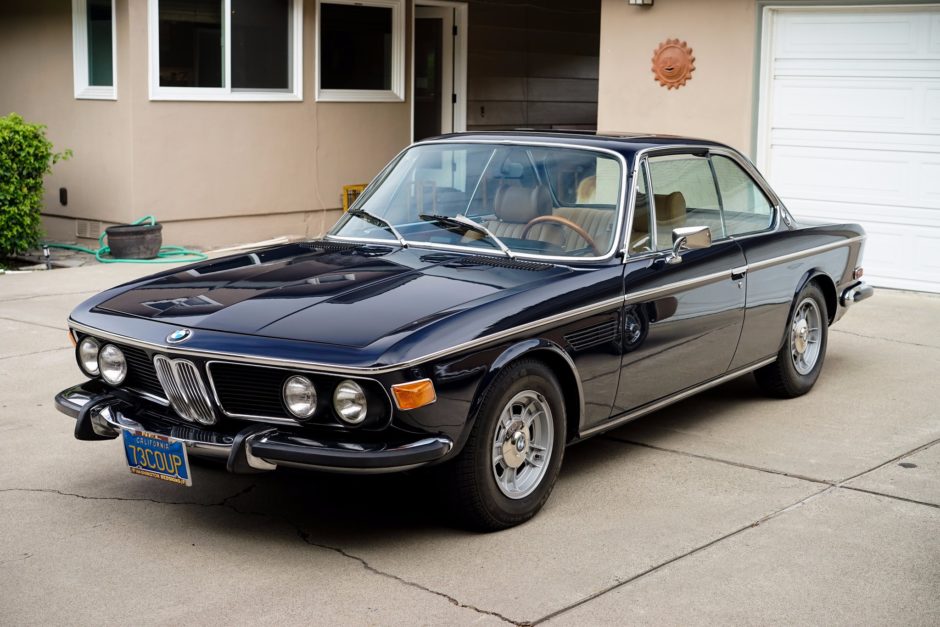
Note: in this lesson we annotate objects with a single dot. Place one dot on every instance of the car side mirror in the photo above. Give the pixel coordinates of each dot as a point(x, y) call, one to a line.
point(688, 238)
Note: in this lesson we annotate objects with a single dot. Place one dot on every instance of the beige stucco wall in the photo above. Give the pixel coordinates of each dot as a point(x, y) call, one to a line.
point(278, 167)
point(716, 104)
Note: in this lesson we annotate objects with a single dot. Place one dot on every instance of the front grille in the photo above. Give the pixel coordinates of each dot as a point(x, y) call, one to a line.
point(184, 389)
point(249, 391)
point(141, 375)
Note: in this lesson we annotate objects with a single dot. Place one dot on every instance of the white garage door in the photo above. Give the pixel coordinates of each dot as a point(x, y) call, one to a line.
point(849, 129)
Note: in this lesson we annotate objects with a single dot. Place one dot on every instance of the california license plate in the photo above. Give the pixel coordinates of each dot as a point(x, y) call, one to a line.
point(157, 457)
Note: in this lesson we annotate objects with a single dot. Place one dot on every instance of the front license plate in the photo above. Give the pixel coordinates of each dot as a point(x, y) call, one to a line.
point(156, 456)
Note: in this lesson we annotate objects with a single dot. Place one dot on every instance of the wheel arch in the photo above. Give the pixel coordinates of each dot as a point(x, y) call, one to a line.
point(561, 365)
point(826, 285)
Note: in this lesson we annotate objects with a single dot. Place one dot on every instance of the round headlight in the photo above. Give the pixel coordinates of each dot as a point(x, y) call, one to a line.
point(88, 356)
point(349, 401)
point(300, 397)
point(111, 364)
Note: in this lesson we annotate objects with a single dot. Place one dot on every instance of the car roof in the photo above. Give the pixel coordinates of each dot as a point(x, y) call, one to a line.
point(626, 143)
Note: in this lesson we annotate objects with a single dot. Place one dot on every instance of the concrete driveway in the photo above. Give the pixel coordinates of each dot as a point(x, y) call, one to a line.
point(726, 508)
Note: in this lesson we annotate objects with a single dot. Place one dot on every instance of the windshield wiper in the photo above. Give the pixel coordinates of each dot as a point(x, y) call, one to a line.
point(462, 220)
point(376, 220)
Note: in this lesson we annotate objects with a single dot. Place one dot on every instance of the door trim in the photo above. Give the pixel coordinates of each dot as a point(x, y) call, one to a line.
point(461, 20)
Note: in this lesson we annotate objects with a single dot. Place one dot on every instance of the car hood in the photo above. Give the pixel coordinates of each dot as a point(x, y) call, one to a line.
point(329, 293)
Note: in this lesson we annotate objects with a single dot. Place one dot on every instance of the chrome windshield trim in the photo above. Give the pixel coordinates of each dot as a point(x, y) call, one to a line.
point(613, 251)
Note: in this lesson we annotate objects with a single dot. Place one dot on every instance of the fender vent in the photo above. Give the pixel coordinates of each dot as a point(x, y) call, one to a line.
point(592, 336)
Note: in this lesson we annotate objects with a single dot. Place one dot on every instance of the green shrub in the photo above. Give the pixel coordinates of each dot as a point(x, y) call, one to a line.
point(25, 157)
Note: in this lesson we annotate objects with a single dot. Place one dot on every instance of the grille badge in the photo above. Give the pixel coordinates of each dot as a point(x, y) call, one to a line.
point(180, 335)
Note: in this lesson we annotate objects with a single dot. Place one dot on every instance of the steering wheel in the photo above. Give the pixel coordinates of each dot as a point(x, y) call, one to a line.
point(574, 226)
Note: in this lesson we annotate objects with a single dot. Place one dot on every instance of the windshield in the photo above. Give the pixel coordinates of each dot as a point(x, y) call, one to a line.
point(509, 199)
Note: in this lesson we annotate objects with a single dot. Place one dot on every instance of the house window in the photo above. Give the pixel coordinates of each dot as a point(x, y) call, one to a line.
point(225, 49)
point(360, 50)
point(93, 47)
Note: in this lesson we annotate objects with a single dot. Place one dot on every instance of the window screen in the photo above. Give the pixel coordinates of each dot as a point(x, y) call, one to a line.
point(100, 62)
point(191, 41)
point(261, 44)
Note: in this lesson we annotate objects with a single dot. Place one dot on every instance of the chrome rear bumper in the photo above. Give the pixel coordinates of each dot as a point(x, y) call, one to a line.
point(257, 447)
point(856, 293)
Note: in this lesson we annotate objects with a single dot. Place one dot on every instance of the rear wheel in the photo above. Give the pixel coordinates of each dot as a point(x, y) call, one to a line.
point(801, 358)
point(509, 465)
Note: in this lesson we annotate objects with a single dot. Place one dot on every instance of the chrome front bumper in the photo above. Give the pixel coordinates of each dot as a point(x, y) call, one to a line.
point(856, 293)
point(257, 447)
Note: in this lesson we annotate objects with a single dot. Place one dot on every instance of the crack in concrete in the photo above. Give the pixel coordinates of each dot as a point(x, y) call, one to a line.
point(223, 503)
point(886, 339)
point(21, 558)
point(35, 324)
point(17, 298)
point(47, 350)
point(689, 553)
point(407, 582)
point(303, 535)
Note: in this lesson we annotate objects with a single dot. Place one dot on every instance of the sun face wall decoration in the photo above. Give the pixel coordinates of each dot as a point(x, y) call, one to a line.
point(673, 63)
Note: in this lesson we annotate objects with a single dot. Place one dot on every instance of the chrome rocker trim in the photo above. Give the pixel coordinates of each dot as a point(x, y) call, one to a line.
point(257, 447)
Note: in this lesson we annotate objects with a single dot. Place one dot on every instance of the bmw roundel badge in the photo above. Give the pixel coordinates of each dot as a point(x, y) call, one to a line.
point(180, 335)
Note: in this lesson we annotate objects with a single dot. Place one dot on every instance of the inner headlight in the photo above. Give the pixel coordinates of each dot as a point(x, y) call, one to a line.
point(349, 401)
point(300, 397)
point(88, 356)
point(111, 364)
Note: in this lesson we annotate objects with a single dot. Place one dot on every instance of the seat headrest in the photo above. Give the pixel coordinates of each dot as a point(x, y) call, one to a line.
point(519, 204)
point(669, 206)
point(587, 190)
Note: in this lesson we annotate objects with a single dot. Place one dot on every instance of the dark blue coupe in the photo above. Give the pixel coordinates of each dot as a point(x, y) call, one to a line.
point(489, 299)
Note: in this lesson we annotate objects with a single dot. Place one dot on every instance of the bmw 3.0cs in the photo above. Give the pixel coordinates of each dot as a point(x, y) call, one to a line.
point(488, 300)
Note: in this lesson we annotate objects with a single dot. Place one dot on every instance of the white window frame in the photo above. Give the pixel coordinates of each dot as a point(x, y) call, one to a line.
point(226, 93)
point(80, 55)
point(397, 91)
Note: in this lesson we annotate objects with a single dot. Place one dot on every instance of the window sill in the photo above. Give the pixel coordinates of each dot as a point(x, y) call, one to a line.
point(96, 93)
point(358, 95)
point(211, 95)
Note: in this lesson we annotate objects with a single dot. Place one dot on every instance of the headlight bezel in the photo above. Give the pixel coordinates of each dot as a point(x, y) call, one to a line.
point(350, 393)
point(300, 380)
point(123, 364)
point(81, 358)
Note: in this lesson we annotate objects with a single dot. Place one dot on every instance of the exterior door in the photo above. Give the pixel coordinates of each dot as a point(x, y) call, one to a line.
point(681, 321)
point(433, 71)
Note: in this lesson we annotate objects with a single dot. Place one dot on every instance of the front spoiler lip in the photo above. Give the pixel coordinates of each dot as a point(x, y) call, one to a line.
point(257, 447)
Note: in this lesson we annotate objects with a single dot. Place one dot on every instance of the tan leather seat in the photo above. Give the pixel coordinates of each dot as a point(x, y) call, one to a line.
point(670, 214)
point(515, 205)
point(599, 224)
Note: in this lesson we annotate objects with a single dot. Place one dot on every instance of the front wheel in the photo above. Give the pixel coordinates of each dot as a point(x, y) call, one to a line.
point(801, 358)
point(509, 465)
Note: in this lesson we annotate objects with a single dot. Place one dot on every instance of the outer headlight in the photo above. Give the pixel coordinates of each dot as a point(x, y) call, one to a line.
point(349, 401)
point(300, 397)
point(111, 364)
point(88, 356)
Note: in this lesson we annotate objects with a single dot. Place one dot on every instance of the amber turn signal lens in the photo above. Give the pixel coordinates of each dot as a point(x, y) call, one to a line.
point(414, 394)
point(72, 339)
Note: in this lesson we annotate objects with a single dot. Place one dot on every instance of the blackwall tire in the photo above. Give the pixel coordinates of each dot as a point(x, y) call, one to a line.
point(803, 353)
point(508, 467)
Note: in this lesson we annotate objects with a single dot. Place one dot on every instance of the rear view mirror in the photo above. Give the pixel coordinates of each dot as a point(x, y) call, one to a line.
point(688, 238)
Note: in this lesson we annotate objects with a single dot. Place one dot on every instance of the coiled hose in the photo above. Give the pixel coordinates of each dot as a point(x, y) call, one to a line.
point(167, 254)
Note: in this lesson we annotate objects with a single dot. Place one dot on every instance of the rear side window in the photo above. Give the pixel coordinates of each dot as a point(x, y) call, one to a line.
point(746, 208)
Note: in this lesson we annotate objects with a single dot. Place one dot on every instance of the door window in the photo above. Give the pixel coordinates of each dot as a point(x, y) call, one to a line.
point(746, 209)
point(684, 194)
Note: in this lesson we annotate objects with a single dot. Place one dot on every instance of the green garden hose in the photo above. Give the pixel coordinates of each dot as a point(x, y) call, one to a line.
point(167, 254)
